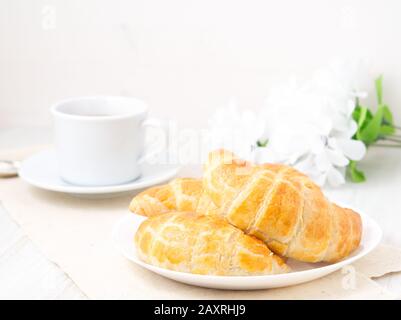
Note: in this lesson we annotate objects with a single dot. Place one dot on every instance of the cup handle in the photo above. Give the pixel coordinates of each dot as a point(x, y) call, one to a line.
point(155, 123)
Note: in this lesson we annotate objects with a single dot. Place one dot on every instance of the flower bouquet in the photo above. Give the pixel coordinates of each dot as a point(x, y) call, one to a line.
point(320, 127)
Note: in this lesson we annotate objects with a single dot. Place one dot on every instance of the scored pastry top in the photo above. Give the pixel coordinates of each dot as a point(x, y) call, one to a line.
point(189, 242)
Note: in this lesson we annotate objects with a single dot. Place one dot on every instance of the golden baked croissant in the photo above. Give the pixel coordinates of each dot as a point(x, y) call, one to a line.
point(189, 242)
point(181, 194)
point(275, 203)
point(282, 207)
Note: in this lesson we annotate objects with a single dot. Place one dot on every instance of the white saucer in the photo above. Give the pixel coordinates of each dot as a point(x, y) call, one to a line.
point(40, 170)
point(126, 227)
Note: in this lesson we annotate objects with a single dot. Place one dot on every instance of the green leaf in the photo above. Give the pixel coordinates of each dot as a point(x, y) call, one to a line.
point(260, 143)
point(379, 89)
point(369, 117)
point(387, 115)
point(371, 131)
point(386, 130)
point(362, 116)
point(361, 120)
point(354, 174)
point(356, 113)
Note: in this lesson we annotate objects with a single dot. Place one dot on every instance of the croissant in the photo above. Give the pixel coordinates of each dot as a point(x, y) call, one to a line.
point(282, 207)
point(189, 242)
point(275, 203)
point(181, 194)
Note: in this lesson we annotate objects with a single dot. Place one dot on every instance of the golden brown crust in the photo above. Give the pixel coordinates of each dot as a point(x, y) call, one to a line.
point(189, 242)
point(282, 207)
point(273, 202)
point(181, 194)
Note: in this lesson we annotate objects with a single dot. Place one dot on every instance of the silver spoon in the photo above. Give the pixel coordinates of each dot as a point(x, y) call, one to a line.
point(9, 168)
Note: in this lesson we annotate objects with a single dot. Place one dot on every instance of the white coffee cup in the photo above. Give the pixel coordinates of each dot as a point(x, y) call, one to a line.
point(100, 140)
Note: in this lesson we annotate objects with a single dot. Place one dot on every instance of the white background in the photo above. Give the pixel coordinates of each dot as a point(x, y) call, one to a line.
point(185, 58)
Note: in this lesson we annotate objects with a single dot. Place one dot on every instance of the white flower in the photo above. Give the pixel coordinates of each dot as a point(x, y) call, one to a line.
point(235, 130)
point(310, 127)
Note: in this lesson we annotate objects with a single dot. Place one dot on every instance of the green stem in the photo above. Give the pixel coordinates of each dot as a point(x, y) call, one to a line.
point(383, 145)
point(390, 139)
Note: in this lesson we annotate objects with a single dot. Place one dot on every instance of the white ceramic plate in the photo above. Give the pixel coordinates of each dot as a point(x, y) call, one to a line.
point(40, 170)
point(125, 229)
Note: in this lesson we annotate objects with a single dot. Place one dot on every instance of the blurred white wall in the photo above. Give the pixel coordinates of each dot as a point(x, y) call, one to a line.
point(185, 58)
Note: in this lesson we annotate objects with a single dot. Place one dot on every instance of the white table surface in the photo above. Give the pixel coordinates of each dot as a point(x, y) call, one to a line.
point(25, 273)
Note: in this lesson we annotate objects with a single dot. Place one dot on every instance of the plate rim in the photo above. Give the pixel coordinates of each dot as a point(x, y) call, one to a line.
point(76, 189)
point(276, 277)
